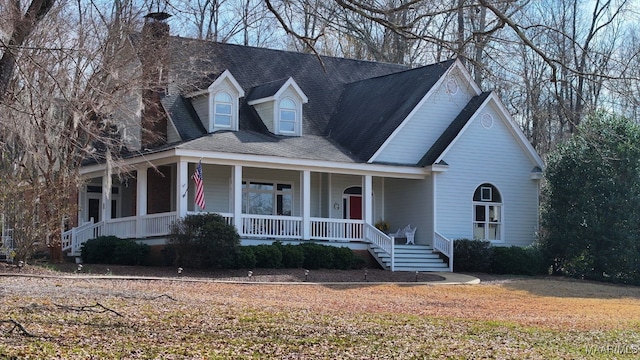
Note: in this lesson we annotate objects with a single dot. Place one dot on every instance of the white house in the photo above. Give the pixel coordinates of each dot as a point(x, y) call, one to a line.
point(299, 148)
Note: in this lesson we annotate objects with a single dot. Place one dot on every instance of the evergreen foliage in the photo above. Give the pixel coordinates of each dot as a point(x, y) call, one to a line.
point(591, 212)
point(204, 241)
point(113, 250)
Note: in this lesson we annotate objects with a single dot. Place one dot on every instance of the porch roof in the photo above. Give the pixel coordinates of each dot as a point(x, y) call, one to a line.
point(253, 143)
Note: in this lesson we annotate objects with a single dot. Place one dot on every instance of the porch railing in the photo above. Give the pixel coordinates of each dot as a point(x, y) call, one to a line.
point(444, 246)
point(381, 240)
point(125, 228)
point(271, 227)
point(336, 229)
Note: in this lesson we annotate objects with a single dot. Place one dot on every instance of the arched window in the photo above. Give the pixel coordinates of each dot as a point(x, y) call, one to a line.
point(288, 116)
point(487, 213)
point(222, 110)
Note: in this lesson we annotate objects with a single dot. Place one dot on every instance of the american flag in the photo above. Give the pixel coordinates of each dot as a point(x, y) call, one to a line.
point(197, 179)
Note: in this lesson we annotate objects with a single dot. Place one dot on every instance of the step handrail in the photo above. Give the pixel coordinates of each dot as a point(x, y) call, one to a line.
point(385, 242)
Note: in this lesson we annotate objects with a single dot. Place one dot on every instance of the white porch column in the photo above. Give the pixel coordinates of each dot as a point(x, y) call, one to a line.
point(141, 192)
point(106, 198)
point(141, 200)
point(306, 205)
point(236, 178)
point(367, 198)
point(182, 184)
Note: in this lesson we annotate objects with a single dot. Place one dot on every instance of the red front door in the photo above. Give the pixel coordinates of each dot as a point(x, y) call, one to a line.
point(355, 207)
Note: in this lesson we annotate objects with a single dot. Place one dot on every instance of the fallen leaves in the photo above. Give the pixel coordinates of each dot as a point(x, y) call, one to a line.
point(529, 318)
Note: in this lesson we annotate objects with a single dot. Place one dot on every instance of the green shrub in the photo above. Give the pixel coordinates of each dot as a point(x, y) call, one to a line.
point(204, 241)
point(472, 255)
point(317, 256)
point(246, 258)
point(516, 260)
point(267, 256)
point(343, 258)
point(128, 252)
point(292, 255)
point(113, 250)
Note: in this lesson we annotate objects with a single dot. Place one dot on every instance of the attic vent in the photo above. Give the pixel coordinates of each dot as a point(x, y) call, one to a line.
point(487, 121)
point(452, 86)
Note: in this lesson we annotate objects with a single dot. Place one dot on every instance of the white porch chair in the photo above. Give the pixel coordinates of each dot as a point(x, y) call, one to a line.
point(410, 233)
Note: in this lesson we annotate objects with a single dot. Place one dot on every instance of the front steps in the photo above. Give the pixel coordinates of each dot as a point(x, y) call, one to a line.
point(411, 258)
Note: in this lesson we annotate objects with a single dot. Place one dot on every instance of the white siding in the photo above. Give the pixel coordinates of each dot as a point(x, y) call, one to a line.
point(217, 187)
point(422, 129)
point(172, 133)
point(487, 156)
point(339, 183)
point(410, 202)
point(265, 110)
point(201, 106)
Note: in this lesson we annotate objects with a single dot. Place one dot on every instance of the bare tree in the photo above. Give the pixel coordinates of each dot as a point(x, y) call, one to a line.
point(65, 88)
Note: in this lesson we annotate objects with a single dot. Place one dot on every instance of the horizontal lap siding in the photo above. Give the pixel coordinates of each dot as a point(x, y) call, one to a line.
point(217, 187)
point(339, 183)
point(201, 106)
point(423, 129)
point(487, 156)
point(410, 202)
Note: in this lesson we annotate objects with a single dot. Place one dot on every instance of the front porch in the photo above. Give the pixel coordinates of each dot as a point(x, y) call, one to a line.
point(263, 203)
point(383, 247)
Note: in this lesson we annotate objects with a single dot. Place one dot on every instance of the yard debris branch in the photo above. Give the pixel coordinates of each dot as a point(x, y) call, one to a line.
point(17, 325)
point(97, 308)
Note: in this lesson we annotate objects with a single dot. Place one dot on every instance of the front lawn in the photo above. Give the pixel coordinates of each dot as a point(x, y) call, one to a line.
point(118, 319)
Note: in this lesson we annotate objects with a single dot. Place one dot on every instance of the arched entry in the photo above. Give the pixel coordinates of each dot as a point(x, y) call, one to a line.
point(352, 203)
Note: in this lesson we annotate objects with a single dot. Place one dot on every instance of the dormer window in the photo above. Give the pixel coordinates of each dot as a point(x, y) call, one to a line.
point(222, 110)
point(218, 106)
point(288, 116)
point(279, 105)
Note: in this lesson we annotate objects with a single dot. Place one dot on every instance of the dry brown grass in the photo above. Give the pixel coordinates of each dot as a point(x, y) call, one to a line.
point(510, 318)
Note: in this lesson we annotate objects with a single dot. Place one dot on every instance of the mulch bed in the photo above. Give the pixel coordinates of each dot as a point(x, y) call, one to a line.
point(257, 275)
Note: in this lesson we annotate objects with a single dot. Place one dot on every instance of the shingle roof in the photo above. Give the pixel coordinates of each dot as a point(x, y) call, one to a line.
point(183, 116)
point(311, 147)
point(453, 129)
point(370, 110)
point(195, 64)
point(265, 90)
point(353, 107)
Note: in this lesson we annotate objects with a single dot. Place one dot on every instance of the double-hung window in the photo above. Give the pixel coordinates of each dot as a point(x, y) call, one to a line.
point(222, 110)
point(288, 116)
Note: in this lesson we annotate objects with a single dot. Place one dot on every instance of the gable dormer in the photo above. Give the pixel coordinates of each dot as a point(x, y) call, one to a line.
point(224, 98)
point(279, 104)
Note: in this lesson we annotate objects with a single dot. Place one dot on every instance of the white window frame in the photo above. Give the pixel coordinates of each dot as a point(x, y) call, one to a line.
point(246, 189)
point(215, 113)
point(294, 109)
point(490, 222)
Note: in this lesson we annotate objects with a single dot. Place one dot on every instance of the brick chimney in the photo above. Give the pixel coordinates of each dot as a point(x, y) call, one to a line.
point(155, 64)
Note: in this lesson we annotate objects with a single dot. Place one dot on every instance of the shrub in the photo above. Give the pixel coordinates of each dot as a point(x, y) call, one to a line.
point(317, 256)
point(113, 250)
point(128, 252)
point(343, 258)
point(516, 260)
point(590, 217)
point(204, 241)
point(292, 255)
point(472, 255)
point(267, 256)
point(246, 258)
